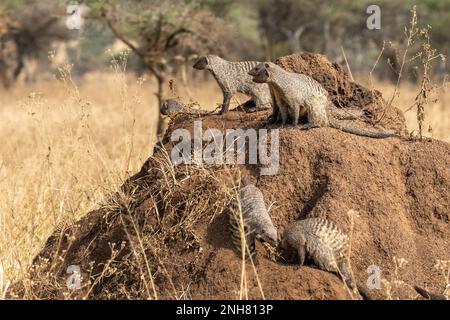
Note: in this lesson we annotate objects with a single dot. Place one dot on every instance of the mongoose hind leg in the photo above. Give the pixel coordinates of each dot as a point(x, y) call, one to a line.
point(226, 103)
point(274, 117)
point(295, 115)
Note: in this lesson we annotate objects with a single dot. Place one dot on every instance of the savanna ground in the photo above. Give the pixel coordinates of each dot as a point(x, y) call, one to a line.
point(68, 143)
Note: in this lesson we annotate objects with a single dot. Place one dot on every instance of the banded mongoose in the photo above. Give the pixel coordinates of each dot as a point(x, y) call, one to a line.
point(168, 110)
point(325, 243)
point(297, 95)
point(233, 77)
point(251, 211)
point(279, 102)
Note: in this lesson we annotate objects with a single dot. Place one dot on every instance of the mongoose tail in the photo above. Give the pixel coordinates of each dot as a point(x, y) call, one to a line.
point(364, 293)
point(343, 126)
point(428, 295)
point(345, 113)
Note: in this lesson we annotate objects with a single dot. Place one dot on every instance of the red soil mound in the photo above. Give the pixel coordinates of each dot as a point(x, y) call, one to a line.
point(165, 234)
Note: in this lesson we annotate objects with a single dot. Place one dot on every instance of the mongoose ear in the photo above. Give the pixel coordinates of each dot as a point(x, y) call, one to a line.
point(266, 65)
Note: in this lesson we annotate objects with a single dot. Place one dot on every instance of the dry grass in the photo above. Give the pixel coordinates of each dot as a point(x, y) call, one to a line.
point(437, 113)
point(63, 149)
point(68, 144)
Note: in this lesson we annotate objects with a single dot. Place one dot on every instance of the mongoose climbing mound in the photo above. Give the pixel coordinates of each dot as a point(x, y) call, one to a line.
point(296, 95)
point(322, 241)
point(232, 77)
point(248, 217)
point(326, 244)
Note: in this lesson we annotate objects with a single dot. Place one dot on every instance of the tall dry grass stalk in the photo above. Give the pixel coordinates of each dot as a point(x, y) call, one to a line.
point(414, 34)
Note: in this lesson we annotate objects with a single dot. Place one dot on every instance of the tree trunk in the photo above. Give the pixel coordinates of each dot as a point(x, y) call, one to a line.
point(293, 38)
point(159, 93)
point(266, 46)
point(326, 37)
point(160, 76)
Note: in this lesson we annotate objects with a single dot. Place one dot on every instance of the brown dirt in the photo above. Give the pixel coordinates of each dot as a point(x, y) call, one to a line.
point(399, 187)
point(343, 92)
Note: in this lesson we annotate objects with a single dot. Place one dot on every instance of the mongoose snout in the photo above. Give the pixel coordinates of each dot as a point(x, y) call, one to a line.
point(201, 63)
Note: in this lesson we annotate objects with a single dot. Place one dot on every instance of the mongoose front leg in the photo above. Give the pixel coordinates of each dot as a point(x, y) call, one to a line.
point(226, 102)
point(284, 115)
point(275, 116)
point(301, 256)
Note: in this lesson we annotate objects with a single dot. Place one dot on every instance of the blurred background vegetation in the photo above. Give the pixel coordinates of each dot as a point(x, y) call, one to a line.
point(164, 36)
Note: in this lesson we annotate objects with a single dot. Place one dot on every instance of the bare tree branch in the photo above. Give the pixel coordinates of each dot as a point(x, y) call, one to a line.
point(171, 41)
point(122, 38)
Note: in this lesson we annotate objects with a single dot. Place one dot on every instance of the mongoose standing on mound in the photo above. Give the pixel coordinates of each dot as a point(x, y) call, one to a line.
point(325, 243)
point(233, 77)
point(297, 95)
point(255, 218)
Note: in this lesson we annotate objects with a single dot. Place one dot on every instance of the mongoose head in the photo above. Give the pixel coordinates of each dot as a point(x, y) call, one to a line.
point(245, 181)
point(170, 106)
point(261, 73)
point(291, 238)
point(269, 235)
point(206, 62)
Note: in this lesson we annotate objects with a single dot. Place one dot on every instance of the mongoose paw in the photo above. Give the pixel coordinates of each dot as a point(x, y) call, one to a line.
point(297, 267)
point(308, 126)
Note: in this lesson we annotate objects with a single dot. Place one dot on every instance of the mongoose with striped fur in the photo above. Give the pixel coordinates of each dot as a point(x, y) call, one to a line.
point(297, 95)
point(233, 77)
point(255, 218)
point(325, 243)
